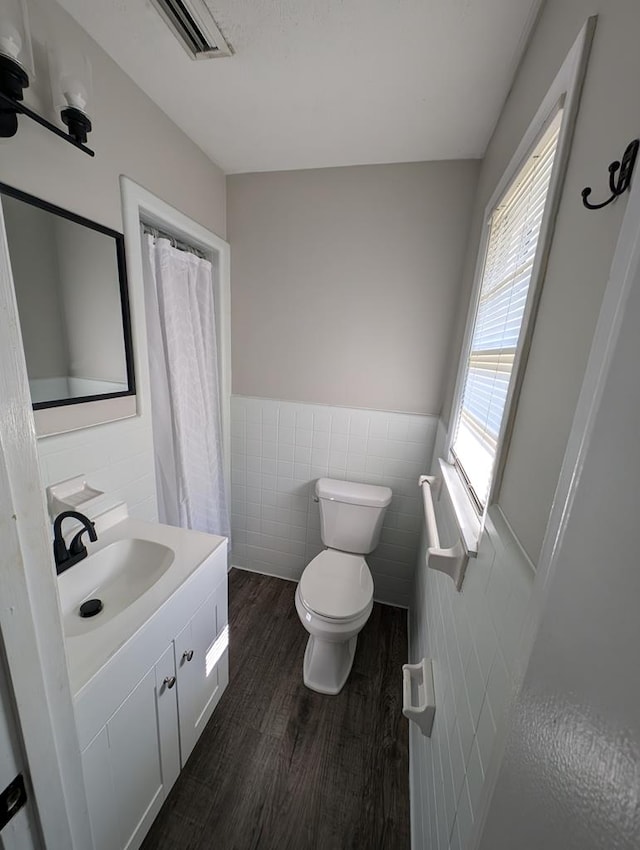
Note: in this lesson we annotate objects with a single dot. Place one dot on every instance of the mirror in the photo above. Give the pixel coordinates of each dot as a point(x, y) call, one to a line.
point(71, 289)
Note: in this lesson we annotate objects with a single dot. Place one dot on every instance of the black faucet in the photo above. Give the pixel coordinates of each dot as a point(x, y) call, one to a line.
point(64, 557)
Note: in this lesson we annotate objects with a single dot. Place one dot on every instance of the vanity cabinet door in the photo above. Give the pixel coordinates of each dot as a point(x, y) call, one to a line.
point(167, 707)
point(202, 664)
point(134, 757)
point(101, 799)
point(123, 772)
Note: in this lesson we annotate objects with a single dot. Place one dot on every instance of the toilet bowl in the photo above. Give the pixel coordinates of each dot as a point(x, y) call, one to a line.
point(334, 600)
point(334, 597)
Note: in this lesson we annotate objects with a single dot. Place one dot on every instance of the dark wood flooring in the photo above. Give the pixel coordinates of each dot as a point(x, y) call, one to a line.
point(280, 767)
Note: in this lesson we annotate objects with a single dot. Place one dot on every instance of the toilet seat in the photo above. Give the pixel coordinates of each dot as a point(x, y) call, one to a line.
point(336, 585)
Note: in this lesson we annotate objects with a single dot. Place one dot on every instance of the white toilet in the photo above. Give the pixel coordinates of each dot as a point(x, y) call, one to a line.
point(334, 597)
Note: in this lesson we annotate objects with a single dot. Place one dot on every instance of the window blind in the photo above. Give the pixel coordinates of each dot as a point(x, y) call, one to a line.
point(514, 229)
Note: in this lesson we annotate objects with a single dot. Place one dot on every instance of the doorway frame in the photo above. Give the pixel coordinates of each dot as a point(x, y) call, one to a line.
point(139, 206)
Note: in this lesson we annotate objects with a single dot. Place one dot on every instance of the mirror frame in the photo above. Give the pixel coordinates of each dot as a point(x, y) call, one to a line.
point(123, 288)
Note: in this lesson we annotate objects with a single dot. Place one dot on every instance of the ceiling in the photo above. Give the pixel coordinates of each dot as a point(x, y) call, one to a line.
point(317, 83)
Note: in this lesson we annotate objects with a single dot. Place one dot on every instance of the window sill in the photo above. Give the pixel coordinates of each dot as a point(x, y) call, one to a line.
point(469, 523)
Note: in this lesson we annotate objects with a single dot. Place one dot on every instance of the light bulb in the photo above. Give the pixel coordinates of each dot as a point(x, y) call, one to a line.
point(74, 93)
point(10, 40)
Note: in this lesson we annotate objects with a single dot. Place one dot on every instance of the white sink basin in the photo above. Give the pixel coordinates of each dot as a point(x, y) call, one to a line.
point(118, 575)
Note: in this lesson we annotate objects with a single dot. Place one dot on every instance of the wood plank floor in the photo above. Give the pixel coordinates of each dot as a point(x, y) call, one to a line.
point(280, 767)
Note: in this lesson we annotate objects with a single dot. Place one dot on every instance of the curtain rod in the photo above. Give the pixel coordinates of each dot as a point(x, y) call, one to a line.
point(175, 242)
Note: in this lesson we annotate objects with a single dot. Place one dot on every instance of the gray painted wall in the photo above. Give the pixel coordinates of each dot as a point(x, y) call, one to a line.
point(583, 242)
point(570, 777)
point(346, 282)
point(131, 136)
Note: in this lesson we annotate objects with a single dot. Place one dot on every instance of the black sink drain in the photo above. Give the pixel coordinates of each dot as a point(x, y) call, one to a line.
point(91, 607)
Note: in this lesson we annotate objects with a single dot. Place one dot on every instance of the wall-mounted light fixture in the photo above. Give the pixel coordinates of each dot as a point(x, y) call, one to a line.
point(16, 60)
point(71, 91)
point(70, 81)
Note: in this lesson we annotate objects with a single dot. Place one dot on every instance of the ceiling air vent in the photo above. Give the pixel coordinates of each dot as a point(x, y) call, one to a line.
point(192, 22)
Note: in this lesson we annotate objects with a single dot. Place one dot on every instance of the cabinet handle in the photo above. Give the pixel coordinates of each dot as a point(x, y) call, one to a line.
point(169, 681)
point(187, 655)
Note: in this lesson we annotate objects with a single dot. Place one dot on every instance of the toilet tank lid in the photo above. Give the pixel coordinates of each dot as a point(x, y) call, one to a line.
point(369, 495)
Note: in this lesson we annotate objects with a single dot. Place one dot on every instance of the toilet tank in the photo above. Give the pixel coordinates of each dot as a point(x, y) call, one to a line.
point(351, 514)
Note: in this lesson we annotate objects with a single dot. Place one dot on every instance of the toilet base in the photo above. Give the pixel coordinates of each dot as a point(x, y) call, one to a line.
point(327, 664)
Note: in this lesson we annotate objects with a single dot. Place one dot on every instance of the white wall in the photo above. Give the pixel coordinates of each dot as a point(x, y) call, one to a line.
point(346, 282)
point(473, 638)
point(281, 448)
point(582, 247)
point(344, 288)
point(573, 748)
point(131, 136)
point(449, 792)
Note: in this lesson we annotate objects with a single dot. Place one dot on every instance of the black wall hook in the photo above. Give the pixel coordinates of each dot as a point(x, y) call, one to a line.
point(624, 176)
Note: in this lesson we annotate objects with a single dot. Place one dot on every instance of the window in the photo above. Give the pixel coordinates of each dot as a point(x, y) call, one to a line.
point(503, 301)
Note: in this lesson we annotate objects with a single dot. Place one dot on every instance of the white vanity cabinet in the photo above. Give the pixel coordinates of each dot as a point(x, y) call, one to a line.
point(140, 716)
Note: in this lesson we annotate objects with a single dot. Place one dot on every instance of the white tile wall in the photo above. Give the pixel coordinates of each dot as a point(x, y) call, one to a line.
point(117, 457)
point(280, 448)
point(473, 638)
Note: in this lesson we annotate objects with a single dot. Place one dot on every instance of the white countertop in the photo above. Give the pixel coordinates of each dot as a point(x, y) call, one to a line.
point(89, 652)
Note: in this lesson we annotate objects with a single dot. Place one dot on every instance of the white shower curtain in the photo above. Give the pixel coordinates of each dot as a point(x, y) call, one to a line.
point(185, 397)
